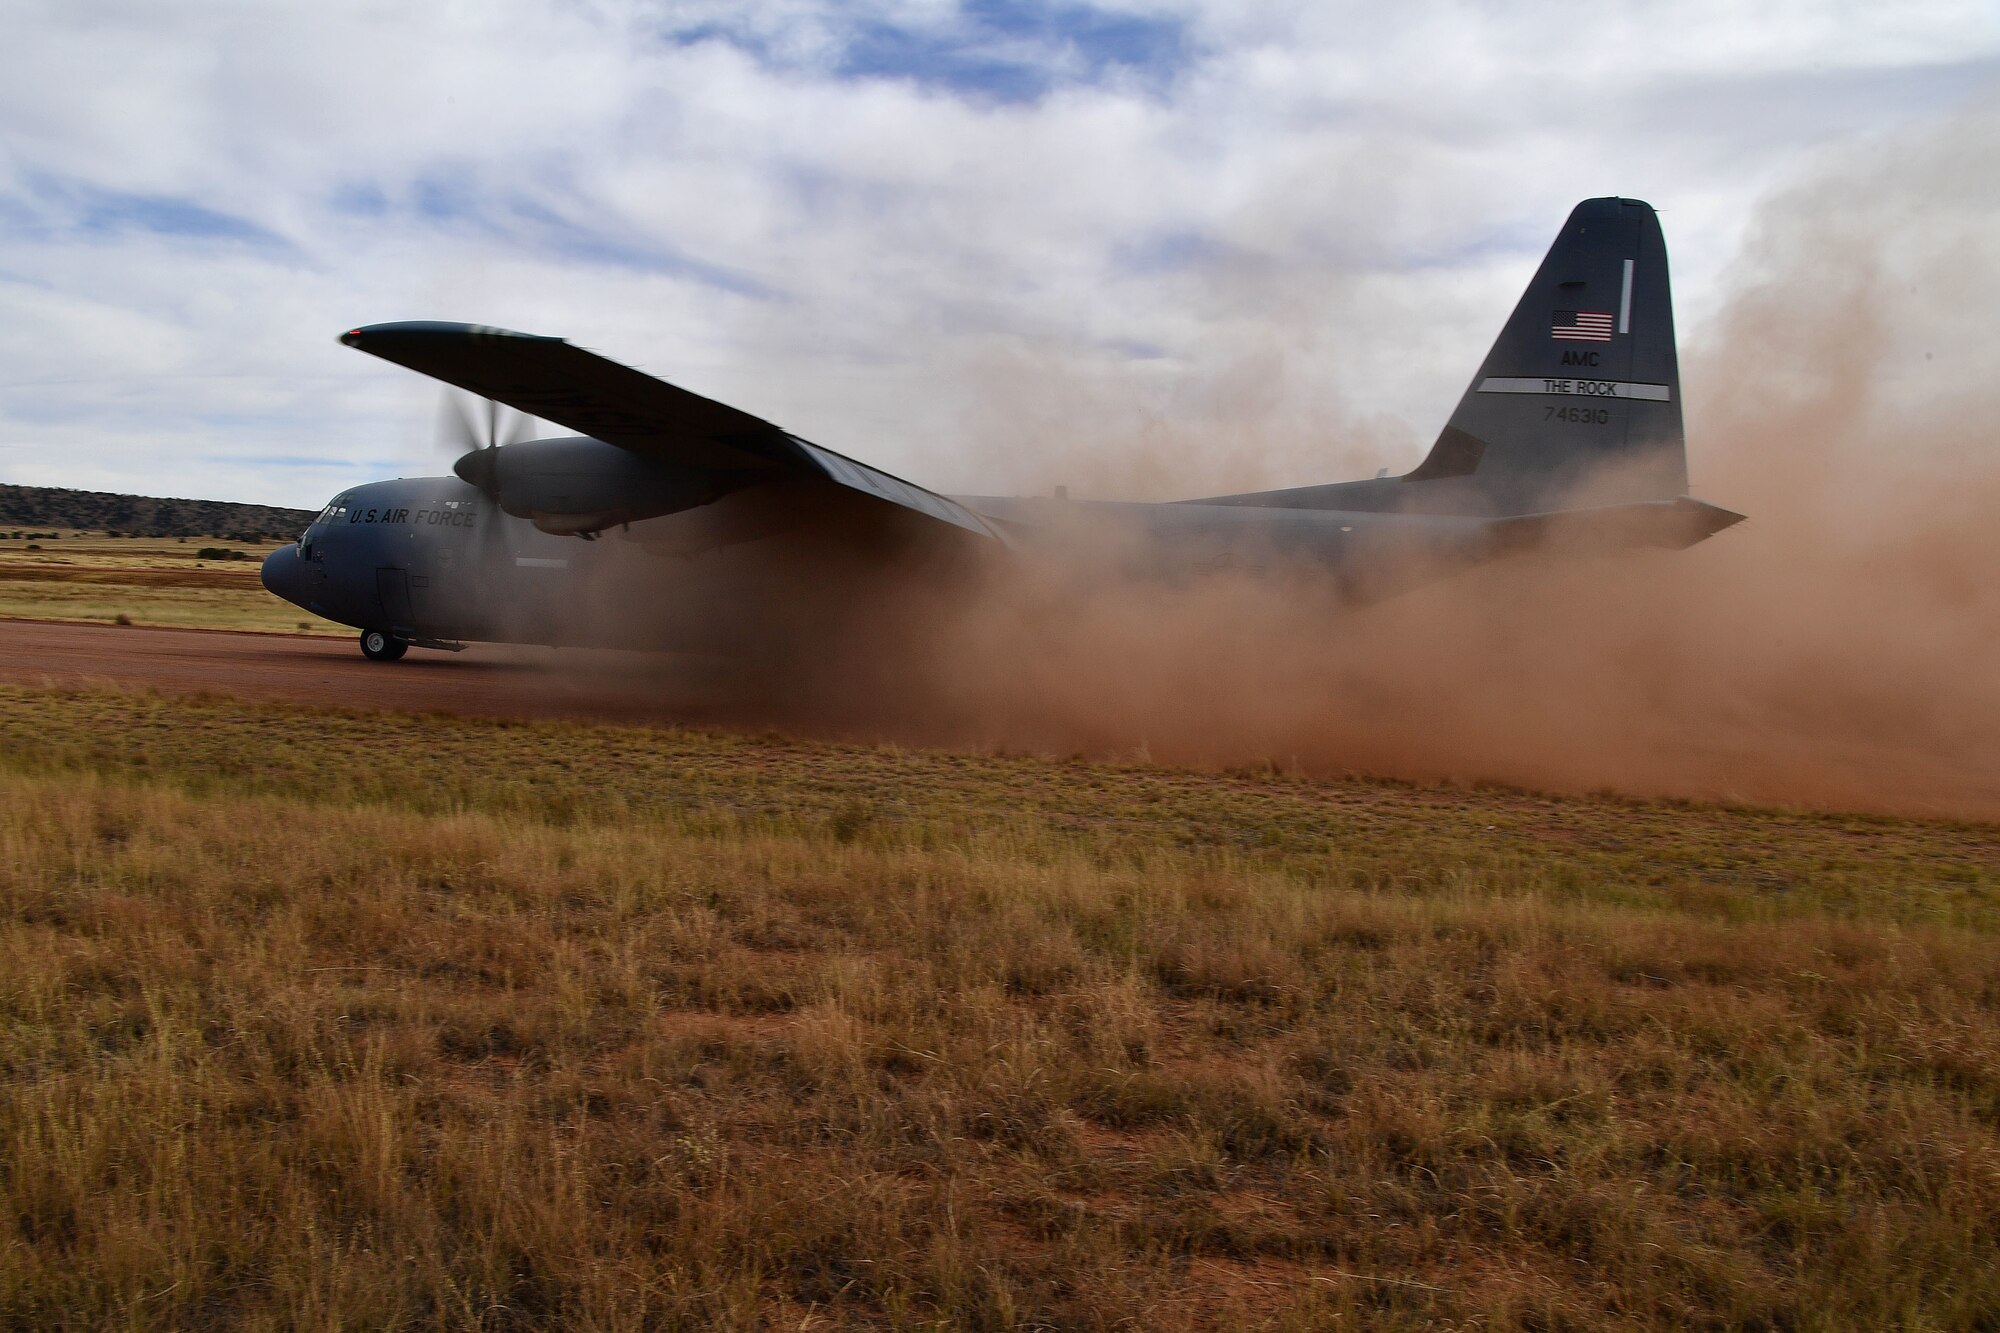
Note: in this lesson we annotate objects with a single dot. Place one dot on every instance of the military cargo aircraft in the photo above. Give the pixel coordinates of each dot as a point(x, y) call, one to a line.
point(711, 519)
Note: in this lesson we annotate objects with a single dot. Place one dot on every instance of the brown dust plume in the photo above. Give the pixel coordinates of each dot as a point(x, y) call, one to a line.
point(1841, 648)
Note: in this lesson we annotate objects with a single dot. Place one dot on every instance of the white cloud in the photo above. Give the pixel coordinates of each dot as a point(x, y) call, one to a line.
point(1276, 227)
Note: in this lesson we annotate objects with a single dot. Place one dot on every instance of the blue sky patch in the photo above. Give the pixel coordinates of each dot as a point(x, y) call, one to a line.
point(64, 205)
point(166, 216)
point(454, 199)
point(550, 232)
point(1013, 52)
point(360, 200)
point(443, 198)
point(1001, 51)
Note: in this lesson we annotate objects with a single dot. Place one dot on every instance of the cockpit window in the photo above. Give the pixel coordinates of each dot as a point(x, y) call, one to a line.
point(336, 508)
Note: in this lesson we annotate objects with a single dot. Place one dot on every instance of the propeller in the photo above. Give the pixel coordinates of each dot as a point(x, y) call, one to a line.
point(475, 429)
point(472, 428)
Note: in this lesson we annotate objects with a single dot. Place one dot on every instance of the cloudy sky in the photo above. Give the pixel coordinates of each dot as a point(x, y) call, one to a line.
point(985, 245)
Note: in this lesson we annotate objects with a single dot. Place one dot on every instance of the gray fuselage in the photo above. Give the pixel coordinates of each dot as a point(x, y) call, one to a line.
point(431, 559)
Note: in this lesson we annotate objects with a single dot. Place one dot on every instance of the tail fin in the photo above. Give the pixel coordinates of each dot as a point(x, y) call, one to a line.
point(1579, 402)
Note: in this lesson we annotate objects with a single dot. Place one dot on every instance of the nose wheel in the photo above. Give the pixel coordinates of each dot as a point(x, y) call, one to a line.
point(378, 645)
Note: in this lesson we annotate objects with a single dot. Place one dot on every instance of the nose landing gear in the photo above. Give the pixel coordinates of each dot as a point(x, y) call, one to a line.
point(379, 645)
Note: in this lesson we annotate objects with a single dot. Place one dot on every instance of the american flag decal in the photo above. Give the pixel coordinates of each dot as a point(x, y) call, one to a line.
point(1581, 326)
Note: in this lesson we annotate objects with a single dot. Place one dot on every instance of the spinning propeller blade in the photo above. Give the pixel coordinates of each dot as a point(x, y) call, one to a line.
point(473, 429)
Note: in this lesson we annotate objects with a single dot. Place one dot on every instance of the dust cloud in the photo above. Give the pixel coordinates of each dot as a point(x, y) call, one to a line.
point(1840, 649)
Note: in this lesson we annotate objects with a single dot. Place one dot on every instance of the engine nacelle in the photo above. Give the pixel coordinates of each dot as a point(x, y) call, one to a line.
point(574, 485)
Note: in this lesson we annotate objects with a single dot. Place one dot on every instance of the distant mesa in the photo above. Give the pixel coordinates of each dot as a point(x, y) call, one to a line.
point(144, 515)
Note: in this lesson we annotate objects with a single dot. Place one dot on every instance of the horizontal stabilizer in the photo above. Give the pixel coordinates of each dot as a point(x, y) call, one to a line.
point(1668, 524)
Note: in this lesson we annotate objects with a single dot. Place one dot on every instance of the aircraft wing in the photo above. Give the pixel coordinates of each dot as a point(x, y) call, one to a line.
point(556, 381)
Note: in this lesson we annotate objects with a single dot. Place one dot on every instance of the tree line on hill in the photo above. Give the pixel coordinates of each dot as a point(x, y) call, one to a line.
point(146, 516)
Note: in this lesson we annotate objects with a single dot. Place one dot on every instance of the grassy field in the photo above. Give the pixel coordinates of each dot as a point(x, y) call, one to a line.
point(325, 1019)
point(147, 580)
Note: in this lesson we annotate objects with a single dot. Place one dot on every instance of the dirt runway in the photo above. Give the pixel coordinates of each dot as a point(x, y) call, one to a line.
point(483, 682)
point(501, 681)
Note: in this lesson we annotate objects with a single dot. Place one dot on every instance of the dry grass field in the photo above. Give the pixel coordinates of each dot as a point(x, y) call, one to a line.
point(325, 1019)
point(148, 580)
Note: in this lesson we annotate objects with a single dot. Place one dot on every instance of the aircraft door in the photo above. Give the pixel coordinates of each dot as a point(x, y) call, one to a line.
point(392, 587)
point(439, 597)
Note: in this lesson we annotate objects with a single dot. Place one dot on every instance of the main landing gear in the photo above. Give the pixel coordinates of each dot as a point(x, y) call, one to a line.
point(378, 645)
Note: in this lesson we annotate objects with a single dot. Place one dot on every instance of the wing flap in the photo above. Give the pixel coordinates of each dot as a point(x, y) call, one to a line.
point(844, 471)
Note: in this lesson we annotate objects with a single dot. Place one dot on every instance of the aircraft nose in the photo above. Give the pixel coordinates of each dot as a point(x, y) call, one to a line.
point(284, 575)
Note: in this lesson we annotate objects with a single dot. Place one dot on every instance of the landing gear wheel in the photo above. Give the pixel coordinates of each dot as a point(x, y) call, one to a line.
point(381, 646)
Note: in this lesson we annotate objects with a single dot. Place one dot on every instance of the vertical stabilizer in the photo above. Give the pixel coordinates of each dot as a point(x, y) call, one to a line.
point(1579, 401)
